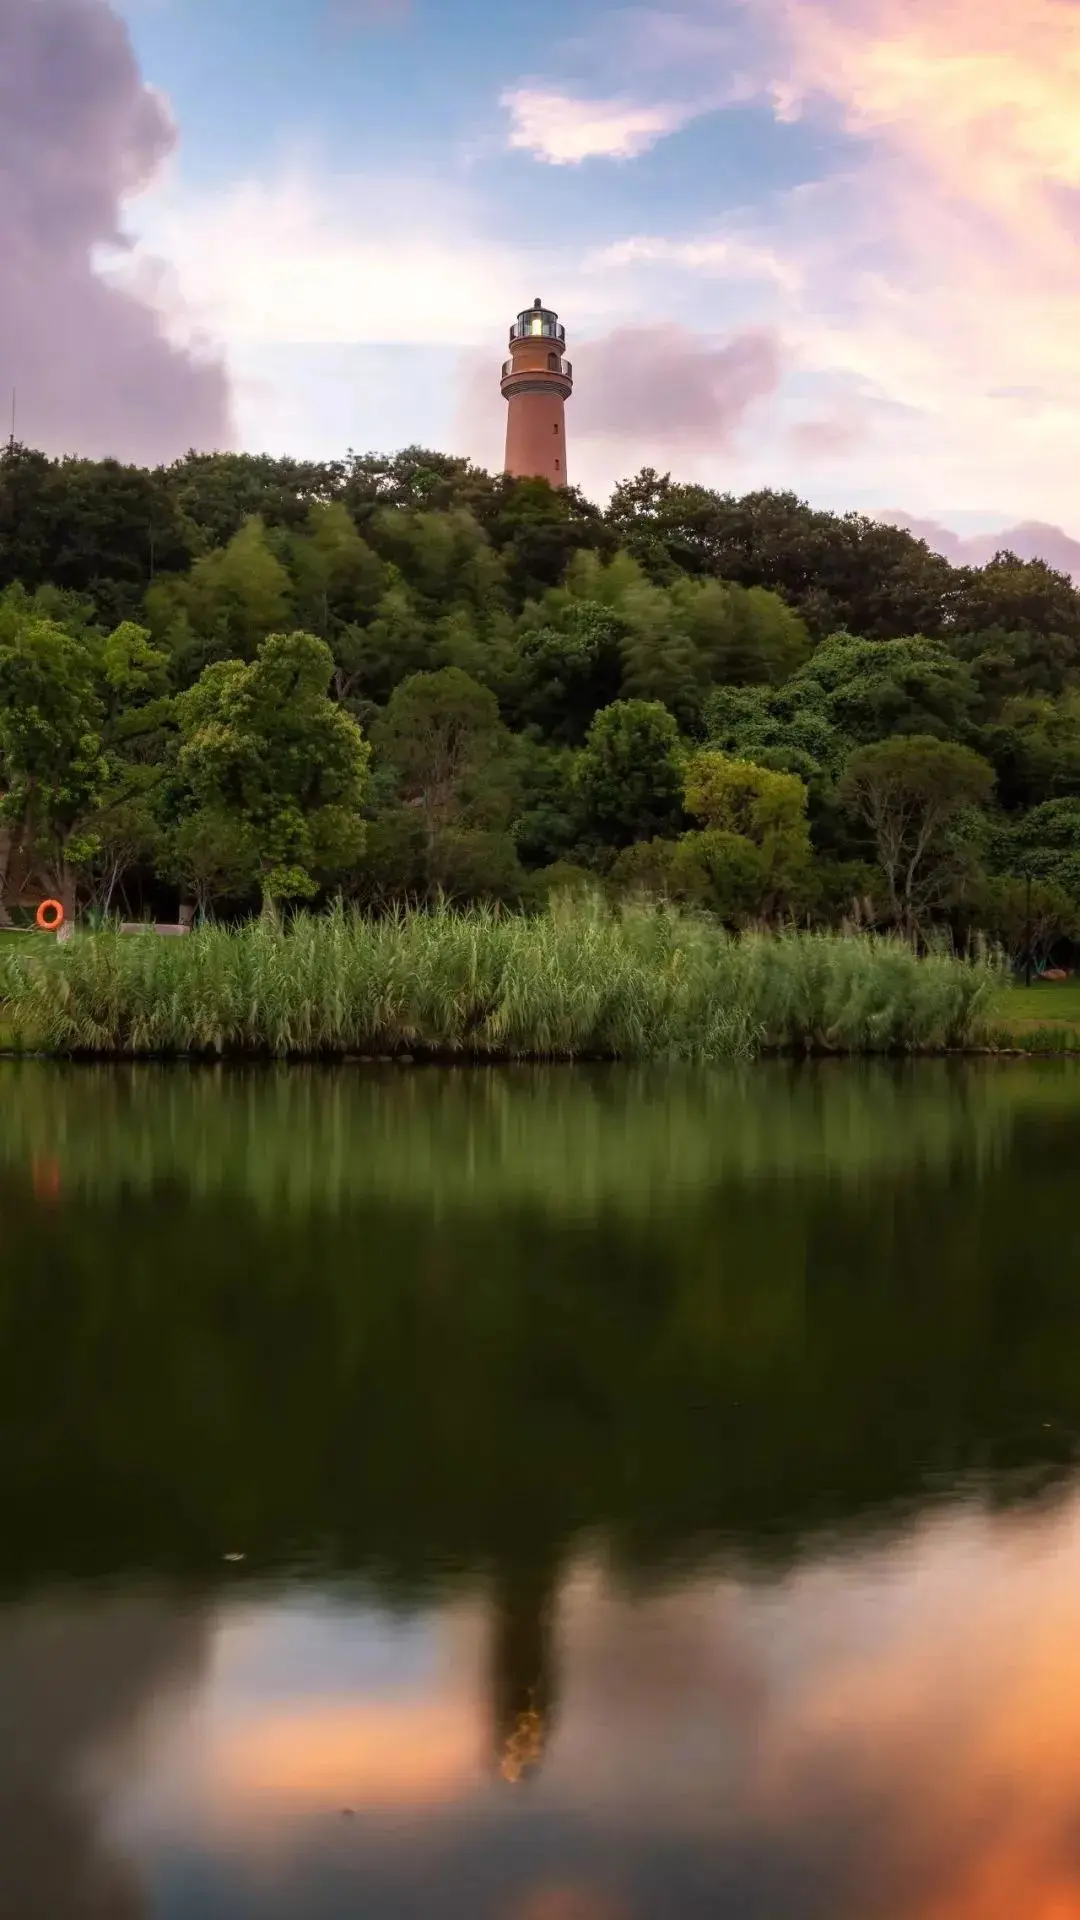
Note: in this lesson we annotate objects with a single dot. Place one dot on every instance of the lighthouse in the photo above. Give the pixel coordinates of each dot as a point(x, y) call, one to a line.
point(536, 384)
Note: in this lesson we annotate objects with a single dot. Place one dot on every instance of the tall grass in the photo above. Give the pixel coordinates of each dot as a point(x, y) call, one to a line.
point(579, 981)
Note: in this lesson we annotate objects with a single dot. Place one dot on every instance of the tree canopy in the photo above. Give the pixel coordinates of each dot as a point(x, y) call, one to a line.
point(240, 676)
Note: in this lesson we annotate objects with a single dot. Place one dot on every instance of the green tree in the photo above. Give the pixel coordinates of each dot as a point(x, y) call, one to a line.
point(373, 659)
point(550, 824)
point(1019, 596)
point(744, 635)
point(231, 601)
point(777, 729)
point(53, 768)
point(724, 873)
point(538, 529)
point(95, 528)
point(443, 735)
point(1034, 747)
point(210, 855)
point(849, 693)
point(744, 803)
point(660, 660)
point(838, 571)
point(263, 745)
point(395, 862)
point(1027, 918)
point(476, 863)
point(122, 826)
point(566, 671)
point(910, 792)
point(629, 773)
point(1010, 663)
point(337, 578)
point(1044, 842)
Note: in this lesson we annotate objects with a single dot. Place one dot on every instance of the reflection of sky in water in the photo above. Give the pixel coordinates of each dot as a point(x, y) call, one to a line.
point(887, 1733)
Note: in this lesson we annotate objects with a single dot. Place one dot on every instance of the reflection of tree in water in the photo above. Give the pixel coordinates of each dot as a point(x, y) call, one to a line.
point(523, 1678)
point(76, 1685)
point(732, 1365)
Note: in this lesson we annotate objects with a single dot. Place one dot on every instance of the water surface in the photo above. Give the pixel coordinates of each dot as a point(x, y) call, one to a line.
point(536, 1495)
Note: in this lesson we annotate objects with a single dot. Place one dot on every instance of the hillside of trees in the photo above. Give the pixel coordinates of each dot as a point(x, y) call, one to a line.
point(239, 677)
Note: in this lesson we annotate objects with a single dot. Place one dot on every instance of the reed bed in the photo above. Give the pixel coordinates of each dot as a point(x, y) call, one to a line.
point(581, 981)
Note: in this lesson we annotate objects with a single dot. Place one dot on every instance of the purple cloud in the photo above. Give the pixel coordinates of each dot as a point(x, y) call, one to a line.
point(830, 437)
point(669, 387)
point(79, 131)
point(1029, 540)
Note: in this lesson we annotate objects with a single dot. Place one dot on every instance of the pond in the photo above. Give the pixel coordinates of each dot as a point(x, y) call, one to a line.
point(539, 1495)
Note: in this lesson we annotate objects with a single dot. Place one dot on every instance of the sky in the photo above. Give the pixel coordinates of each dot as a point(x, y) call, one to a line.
point(824, 245)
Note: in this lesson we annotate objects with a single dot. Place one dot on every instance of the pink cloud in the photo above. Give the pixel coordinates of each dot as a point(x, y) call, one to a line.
point(666, 387)
point(830, 437)
point(642, 395)
point(1029, 540)
point(940, 264)
point(934, 266)
point(79, 132)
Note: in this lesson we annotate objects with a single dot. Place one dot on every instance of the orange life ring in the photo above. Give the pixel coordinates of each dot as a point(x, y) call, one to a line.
point(50, 916)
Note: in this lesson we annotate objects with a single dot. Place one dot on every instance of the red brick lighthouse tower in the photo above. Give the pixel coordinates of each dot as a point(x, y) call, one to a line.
point(536, 383)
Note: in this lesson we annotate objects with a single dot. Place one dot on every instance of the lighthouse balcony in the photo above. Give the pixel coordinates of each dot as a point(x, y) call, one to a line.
point(556, 364)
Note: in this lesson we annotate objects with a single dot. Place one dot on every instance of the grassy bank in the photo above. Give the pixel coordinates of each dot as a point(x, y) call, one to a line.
point(645, 984)
point(1044, 1018)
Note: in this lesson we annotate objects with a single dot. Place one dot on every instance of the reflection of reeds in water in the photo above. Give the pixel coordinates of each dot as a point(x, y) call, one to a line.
point(569, 1140)
point(646, 983)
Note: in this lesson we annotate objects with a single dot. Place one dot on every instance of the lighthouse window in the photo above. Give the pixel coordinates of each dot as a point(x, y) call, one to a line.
point(555, 428)
point(553, 363)
point(556, 466)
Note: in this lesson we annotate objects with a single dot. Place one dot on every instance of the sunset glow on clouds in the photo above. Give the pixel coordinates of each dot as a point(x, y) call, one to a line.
point(887, 190)
point(890, 1732)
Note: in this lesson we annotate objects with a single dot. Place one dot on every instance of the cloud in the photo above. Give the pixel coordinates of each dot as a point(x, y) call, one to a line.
point(296, 259)
point(723, 256)
point(643, 395)
point(358, 310)
point(940, 261)
point(80, 132)
point(831, 436)
point(1029, 540)
point(562, 130)
point(932, 261)
point(984, 97)
point(379, 1756)
point(666, 387)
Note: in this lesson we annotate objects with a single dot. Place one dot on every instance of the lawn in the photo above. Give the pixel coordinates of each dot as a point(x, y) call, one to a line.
point(1042, 1017)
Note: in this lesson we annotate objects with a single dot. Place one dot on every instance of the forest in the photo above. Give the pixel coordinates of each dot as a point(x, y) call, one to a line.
point(240, 679)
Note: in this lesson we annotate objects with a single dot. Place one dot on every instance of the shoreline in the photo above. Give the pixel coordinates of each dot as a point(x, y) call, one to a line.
point(459, 1057)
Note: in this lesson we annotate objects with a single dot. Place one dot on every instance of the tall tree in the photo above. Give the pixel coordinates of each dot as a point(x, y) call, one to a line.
point(443, 735)
point(231, 601)
point(52, 761)
point(263, 745)
point(910, 793)
point(629, 773)
point(766, 810)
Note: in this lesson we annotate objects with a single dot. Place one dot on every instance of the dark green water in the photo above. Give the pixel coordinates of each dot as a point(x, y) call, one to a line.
point(539, 1495)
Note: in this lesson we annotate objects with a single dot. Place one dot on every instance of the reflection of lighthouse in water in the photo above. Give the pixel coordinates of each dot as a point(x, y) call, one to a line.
point(522, 1670)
